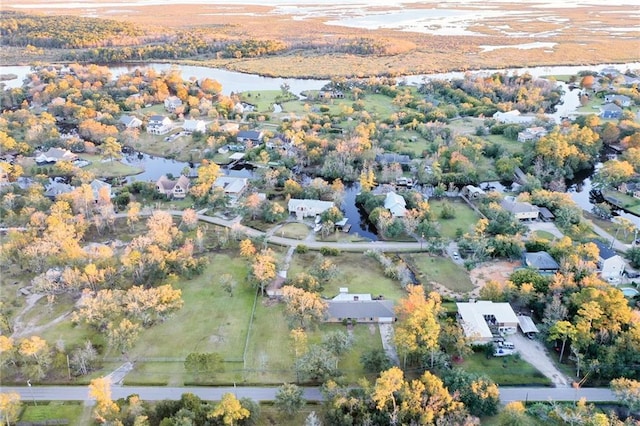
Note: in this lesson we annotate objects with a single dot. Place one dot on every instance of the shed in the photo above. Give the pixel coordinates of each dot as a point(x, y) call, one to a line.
point(526, 324)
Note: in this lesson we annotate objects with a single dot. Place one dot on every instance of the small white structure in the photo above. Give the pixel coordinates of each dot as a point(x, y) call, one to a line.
point(395, 204)
point(531, 134)
point(194, 126)
point(306, 208)
point(232, 186)
point(230, 127)
point(477, 319)
point(159, 125)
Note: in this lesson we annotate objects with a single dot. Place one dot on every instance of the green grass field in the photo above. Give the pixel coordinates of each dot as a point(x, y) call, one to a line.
point(108, 169)
point(441, 270)
point(297, 231)
point(465, 218)
point(361, 274)
point(505, 371)
point(54, 410)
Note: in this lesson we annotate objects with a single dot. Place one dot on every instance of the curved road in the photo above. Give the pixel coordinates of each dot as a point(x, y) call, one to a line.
point(150, 393)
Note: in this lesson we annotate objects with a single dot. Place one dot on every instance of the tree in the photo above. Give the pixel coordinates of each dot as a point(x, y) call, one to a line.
point(208, 172)
point(247, 249)
point(122, 336)
point(10, 407)
point(478, 393)
point(133, 214)
point(263, 268)
point(312, 420)
point(229, 409)
point(111, 149)
point(302, 307)
point(189, 218)
point(203, 363)
point(100, 391)
point(375, 360)
point(613, 173)
point(627, 391)
point(384, 392)
point(289, 399)
point(228, 283)
point(299, 338)
point(317, 364)
point(514, 414)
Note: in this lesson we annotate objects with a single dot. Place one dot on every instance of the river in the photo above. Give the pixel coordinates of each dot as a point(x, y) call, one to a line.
point(236, 82)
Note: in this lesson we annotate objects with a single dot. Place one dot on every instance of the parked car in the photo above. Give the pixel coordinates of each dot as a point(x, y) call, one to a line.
point(503, 352)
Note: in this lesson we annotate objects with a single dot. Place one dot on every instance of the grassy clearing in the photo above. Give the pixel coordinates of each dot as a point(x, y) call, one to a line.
point(621, 200)
point(54, 410)
point(109, 169)
point(465, 218)
point(505, 371)
point(270, 416)
point(360, 273)
point(210, 321)
point(544, 235)
point(297, 231)
point(513, 147)
point(610, 227)
point(440, 270)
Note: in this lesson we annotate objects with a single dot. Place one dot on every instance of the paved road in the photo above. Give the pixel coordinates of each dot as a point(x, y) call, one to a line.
point(148, 393)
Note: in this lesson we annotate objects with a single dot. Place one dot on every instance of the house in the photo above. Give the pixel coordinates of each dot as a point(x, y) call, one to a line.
point(630, 188)
point(55, 189)
point(172, 103)
point(545, 214)
point(230, 127)
point(483, 319)
point(621, 100)
point(473, 192)
point(512, 117)
point(610, 111)
point(391, 157)
point(541, 261)
point(173, 188)
point(306, 208)
point(610, 264)
point(53, 155)
point(521, 211)
point(359, 307)
point(252, 136)
point(531, 134)
point(395, 204)
point(330, 94)
point(232, 186)
point(97, 186)
point(130, 122)
point(159, 125)
point(194, 126)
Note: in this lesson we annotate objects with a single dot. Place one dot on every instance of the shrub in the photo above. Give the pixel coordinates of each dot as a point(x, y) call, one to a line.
point(301, 249)
point(329, 251)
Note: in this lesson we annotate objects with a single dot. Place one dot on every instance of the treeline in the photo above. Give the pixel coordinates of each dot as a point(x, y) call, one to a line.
point(183, 46)
point(63, 32)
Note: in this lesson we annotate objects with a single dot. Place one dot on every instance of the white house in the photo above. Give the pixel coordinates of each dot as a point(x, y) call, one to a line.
point(395, 204)
point(522, 211)
point(194, 126)
point(306, 208)
point(173, 188)
point(477, 320)
point(159, 125)
point(610, 264)
point(232, 186)
point(130, 122)
point(531, 134)
point(171, 103)
point(512, 117)
point(230, 127)
point(53, 155)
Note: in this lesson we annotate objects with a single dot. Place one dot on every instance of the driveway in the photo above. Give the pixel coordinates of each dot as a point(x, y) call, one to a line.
point(536, 354)
point(386, 333)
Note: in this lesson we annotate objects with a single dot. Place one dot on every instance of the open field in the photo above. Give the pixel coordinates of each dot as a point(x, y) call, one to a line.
point(465, 217)
point(439, 272)
point(473, 35)
point(54, 410)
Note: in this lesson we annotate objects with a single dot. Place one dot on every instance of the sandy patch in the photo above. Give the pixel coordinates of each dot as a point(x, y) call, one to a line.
point(497, 271)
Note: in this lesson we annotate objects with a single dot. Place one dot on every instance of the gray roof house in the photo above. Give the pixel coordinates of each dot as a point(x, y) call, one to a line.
point(360, 307)
point(610, 111)
point(521, 210)
point(621, 100)
point(130, 122)
point(249, 136)
point(541, 261)
point(391, 157)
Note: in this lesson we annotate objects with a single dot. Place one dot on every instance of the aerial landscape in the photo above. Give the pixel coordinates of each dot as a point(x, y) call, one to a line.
point(319, 213)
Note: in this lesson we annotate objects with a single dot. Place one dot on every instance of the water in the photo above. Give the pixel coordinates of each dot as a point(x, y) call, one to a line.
point(154, 167)
point(357, 218)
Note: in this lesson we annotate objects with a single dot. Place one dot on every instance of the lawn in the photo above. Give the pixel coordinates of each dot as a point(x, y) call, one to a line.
point(465, 218)
point(544, 235)
point(108, 169)
point(624, 201)
point(509, 145)
point(262, 99)
point(610, 227)
point(54, 410)
point(210, 321)
point(297, 231)
point(360, 273)
point(505, 371)
point(440, 270)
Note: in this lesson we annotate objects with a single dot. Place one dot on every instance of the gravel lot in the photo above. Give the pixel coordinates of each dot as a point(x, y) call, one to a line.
point(535, 354)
